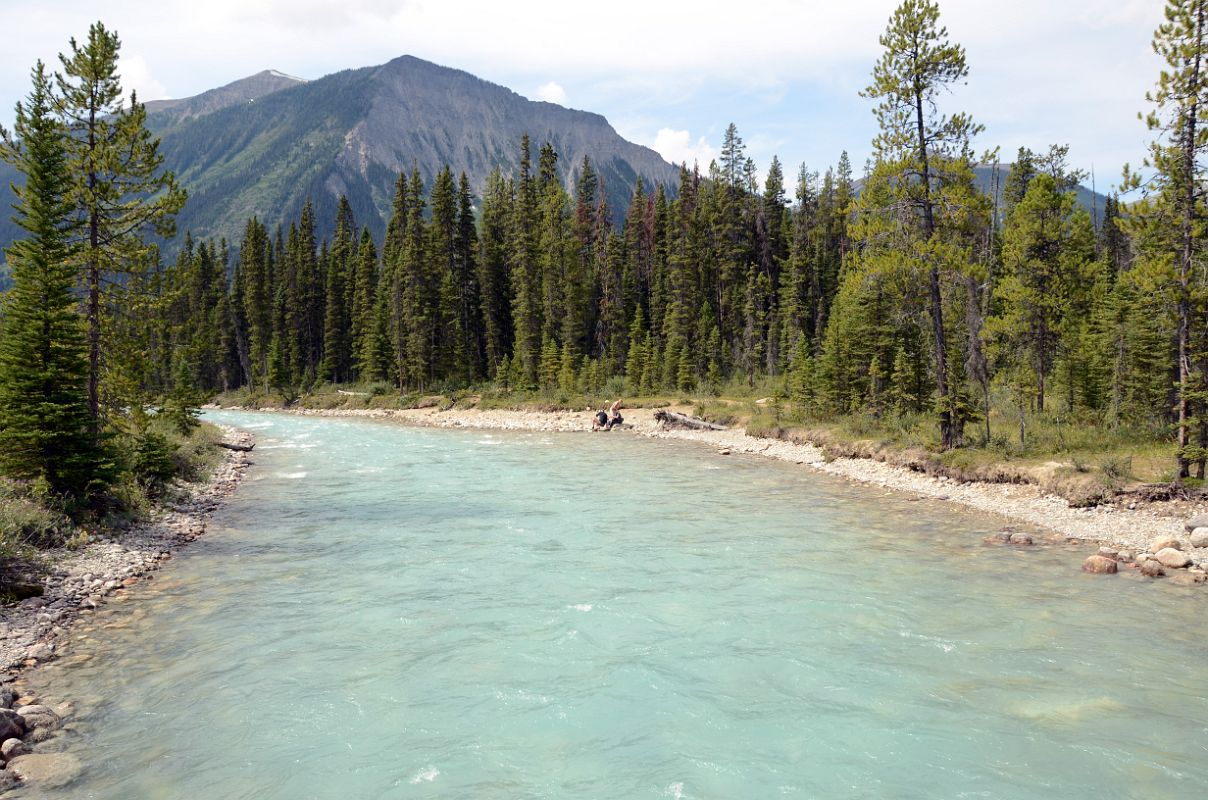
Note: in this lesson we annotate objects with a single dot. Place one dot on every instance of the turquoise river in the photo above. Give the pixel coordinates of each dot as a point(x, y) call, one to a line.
point(392, 612)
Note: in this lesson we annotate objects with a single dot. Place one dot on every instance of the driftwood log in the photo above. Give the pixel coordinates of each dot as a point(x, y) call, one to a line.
point(242, 448)
point(670, 419)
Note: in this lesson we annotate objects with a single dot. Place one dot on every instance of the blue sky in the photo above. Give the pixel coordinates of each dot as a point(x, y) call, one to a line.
point(670, 74)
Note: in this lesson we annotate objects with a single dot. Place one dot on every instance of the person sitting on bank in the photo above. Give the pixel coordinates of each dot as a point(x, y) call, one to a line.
point(600, 421)
point(615, 417)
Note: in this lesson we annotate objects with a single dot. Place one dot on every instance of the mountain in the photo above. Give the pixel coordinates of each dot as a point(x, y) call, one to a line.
point(262, 145)
point(247, 90)
point(352, 133)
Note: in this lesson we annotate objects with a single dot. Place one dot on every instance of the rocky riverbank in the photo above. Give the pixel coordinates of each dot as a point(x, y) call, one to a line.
point(76, 584)
point(1129, 537)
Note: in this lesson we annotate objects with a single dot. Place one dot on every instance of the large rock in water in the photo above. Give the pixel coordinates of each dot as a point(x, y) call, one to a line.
point(42, 720)
point(1169, 557)
point(12, 726)
point(1100, 565)
point(1150, 568)
point(47, 770)
point(13, 748)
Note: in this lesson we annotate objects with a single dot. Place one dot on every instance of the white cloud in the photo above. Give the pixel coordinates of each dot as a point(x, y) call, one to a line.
point(136, 76)
point(678, 148)
point(552, 93)
point(1040, 71)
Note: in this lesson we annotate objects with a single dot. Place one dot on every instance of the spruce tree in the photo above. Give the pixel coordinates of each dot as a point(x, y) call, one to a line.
point(1175, 210)
point(45, 425)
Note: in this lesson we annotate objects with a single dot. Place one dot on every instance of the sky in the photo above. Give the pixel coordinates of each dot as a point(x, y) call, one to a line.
point(669, 74)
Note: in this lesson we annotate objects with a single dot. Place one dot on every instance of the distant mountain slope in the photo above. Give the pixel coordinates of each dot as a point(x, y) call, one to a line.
point(353, 132)
point(263, 144)
point(246, 90)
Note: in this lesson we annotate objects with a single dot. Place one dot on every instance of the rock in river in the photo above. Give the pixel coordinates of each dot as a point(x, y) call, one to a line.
point(1021, 539)
point(1199, 537)
point(1169, 557)
point(39, 717)
point(1100, 565)
point(1150, 568)
point(12, 726)
point(13, 748)
point(47, 770)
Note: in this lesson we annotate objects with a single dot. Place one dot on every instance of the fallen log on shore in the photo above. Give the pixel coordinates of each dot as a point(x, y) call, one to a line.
point(242, 448)
point(670, 419)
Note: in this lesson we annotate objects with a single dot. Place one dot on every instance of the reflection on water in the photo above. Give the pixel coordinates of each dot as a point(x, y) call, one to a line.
point(385, 612)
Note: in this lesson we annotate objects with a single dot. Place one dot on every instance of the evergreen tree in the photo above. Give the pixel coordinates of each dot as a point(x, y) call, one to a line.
point(1046, 265)
point(44, 416)
point(1180, 103)
point(916, 146)
point(492, 269)
point(525, 270)
point(120, 190)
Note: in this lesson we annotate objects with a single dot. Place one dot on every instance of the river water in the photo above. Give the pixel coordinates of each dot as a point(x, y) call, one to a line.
point(390, 612)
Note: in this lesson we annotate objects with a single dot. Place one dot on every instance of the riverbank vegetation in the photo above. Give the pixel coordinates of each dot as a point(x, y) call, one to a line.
point(941, 302)
point(78, 452)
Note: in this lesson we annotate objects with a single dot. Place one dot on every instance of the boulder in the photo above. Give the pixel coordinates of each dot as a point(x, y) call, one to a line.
point(1150, 568)
point(13, 748)
point(1184, 578)
point(1175, 559)
point(40, 722)
point(1198, 521)
point(997, 538)
point(12, 725)
point(1107, 552)
point(1165, 543)
point(1099, 565)
point(42, 651)
point(6, 698)
point(1021, 539)
point(1124, 555)
point(47, 770)
point(1199, 537)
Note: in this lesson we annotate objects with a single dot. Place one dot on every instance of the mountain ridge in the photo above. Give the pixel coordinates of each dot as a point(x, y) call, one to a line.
point(243, 90)
point(352, 132)
point(261, 145)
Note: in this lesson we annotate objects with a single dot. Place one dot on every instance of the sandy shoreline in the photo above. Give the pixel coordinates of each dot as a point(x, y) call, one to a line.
point(1121, 529)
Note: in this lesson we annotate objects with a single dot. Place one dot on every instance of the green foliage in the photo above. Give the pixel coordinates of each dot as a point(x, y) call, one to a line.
point(45, 426)
point(119, 187)
point(31, 515)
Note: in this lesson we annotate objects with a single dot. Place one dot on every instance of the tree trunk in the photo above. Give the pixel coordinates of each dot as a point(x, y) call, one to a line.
point(670, 419)
point(94, 287)
point(977, 358)
point(1186, 259)
point(935, 298)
